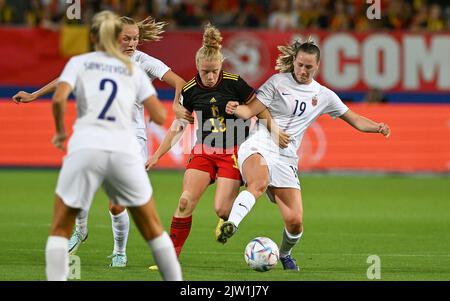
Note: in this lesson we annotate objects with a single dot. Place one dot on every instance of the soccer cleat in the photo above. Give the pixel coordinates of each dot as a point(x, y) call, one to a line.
point(227, 230)
point(289, 263)
point(75, 241)
point(153, 268)
point(219, 236)
point(118, 261)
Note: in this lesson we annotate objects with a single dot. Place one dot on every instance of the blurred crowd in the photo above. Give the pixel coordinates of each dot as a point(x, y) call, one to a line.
point(281, 15)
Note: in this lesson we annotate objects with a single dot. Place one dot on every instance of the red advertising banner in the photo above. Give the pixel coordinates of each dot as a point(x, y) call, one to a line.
point(396, 62)
point(420, 140)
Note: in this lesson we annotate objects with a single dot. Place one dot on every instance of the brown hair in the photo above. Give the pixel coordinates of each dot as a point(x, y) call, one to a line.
point(285, 60)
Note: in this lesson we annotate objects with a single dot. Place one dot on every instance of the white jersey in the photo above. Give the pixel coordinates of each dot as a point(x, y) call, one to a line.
point(154, 68)
point(294, 107)
point(106, 94)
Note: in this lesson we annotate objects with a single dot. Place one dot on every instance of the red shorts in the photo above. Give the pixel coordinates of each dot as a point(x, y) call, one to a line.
point(216, 162)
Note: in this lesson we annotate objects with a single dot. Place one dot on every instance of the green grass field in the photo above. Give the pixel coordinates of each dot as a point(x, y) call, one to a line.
point(404, 220)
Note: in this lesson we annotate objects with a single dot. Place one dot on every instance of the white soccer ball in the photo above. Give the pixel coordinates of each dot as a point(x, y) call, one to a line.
point(261, 254)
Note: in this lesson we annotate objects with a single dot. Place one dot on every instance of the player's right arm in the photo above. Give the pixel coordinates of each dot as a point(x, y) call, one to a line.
point(25, 97)
point(172, 137)
point(59, 101)
point(155, 108)
point(246, 111)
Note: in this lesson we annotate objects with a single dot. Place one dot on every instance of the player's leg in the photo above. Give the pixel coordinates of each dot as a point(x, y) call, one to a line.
point(228, 184)
point(195, 182)
point(80, 176)
point(127, 185)
point(56, 250)
point(255, 173)
point(148, 222)
point(80, 234)
point(289, 200)
point(226, 191)
point(120, 223)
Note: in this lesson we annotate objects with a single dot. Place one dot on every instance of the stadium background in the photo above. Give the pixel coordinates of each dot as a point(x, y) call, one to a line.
point(396, 70)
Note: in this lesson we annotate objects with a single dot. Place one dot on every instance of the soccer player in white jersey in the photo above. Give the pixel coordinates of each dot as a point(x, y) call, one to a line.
point(103, 149)
point(294, 100)
point(132, 34)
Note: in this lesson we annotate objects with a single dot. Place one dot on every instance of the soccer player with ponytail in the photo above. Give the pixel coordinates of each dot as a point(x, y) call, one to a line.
point(132, 34)
point(103, 150)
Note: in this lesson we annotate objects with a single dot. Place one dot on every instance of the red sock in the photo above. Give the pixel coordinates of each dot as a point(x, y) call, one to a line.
point(179, 231)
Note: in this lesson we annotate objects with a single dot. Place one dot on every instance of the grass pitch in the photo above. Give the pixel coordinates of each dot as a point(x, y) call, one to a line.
point(405, 220)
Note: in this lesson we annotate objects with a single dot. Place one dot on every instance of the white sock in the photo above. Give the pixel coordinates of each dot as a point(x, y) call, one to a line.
point(81, 222)
point(57, 258)
point(120, 228)
point(288, 242)
point(241, 207)
point(165, 257)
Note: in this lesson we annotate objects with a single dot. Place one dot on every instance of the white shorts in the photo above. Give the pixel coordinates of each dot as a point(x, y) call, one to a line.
point(283, 172)
point(123, 176)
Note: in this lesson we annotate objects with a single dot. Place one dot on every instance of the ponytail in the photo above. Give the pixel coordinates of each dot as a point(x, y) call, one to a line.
point(107, 28)
point(211, 45)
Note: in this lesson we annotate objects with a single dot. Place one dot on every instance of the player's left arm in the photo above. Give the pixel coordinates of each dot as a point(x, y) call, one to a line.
point(59, 101)
point(365, 125)
point(177, 82)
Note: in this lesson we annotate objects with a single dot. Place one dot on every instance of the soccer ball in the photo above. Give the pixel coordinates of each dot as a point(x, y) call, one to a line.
point(261, 254)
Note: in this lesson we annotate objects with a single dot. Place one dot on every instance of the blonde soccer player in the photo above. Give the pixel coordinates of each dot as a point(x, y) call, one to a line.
point(132, 34)
point(103, 150)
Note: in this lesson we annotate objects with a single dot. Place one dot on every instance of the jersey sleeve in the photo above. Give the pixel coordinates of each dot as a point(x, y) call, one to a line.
point(153, 67)
point(145, 88)
point(185, 101)
point(335, 107)
point(245, 92)
point(70, 73)
point(266, 93)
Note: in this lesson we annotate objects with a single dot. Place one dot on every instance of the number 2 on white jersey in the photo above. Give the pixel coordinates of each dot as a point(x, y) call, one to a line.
point(110, 98)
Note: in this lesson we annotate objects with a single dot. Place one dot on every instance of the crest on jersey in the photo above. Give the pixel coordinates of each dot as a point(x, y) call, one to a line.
point(213, 100)
point(314, 100)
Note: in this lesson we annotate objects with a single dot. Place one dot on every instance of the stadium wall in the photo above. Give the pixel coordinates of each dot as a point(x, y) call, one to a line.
point(412, 69)
point(420, 140)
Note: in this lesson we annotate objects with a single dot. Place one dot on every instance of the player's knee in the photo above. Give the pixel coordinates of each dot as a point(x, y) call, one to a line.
point(258, 187)
point(294, 223)
point(222, 212)
point(116, 209)
point(185, 201)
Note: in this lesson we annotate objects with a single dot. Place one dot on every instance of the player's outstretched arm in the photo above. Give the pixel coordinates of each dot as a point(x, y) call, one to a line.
point(173, 136)
point(177, 82)
point(364, 124)
point(59, 106)
point(25, 97)
point(155, 108)
point(252, 108)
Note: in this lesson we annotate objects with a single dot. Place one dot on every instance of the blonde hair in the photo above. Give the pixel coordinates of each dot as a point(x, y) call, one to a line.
point(211, 45)
point(149, 29)
point(106, 28)
point(285, 60)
